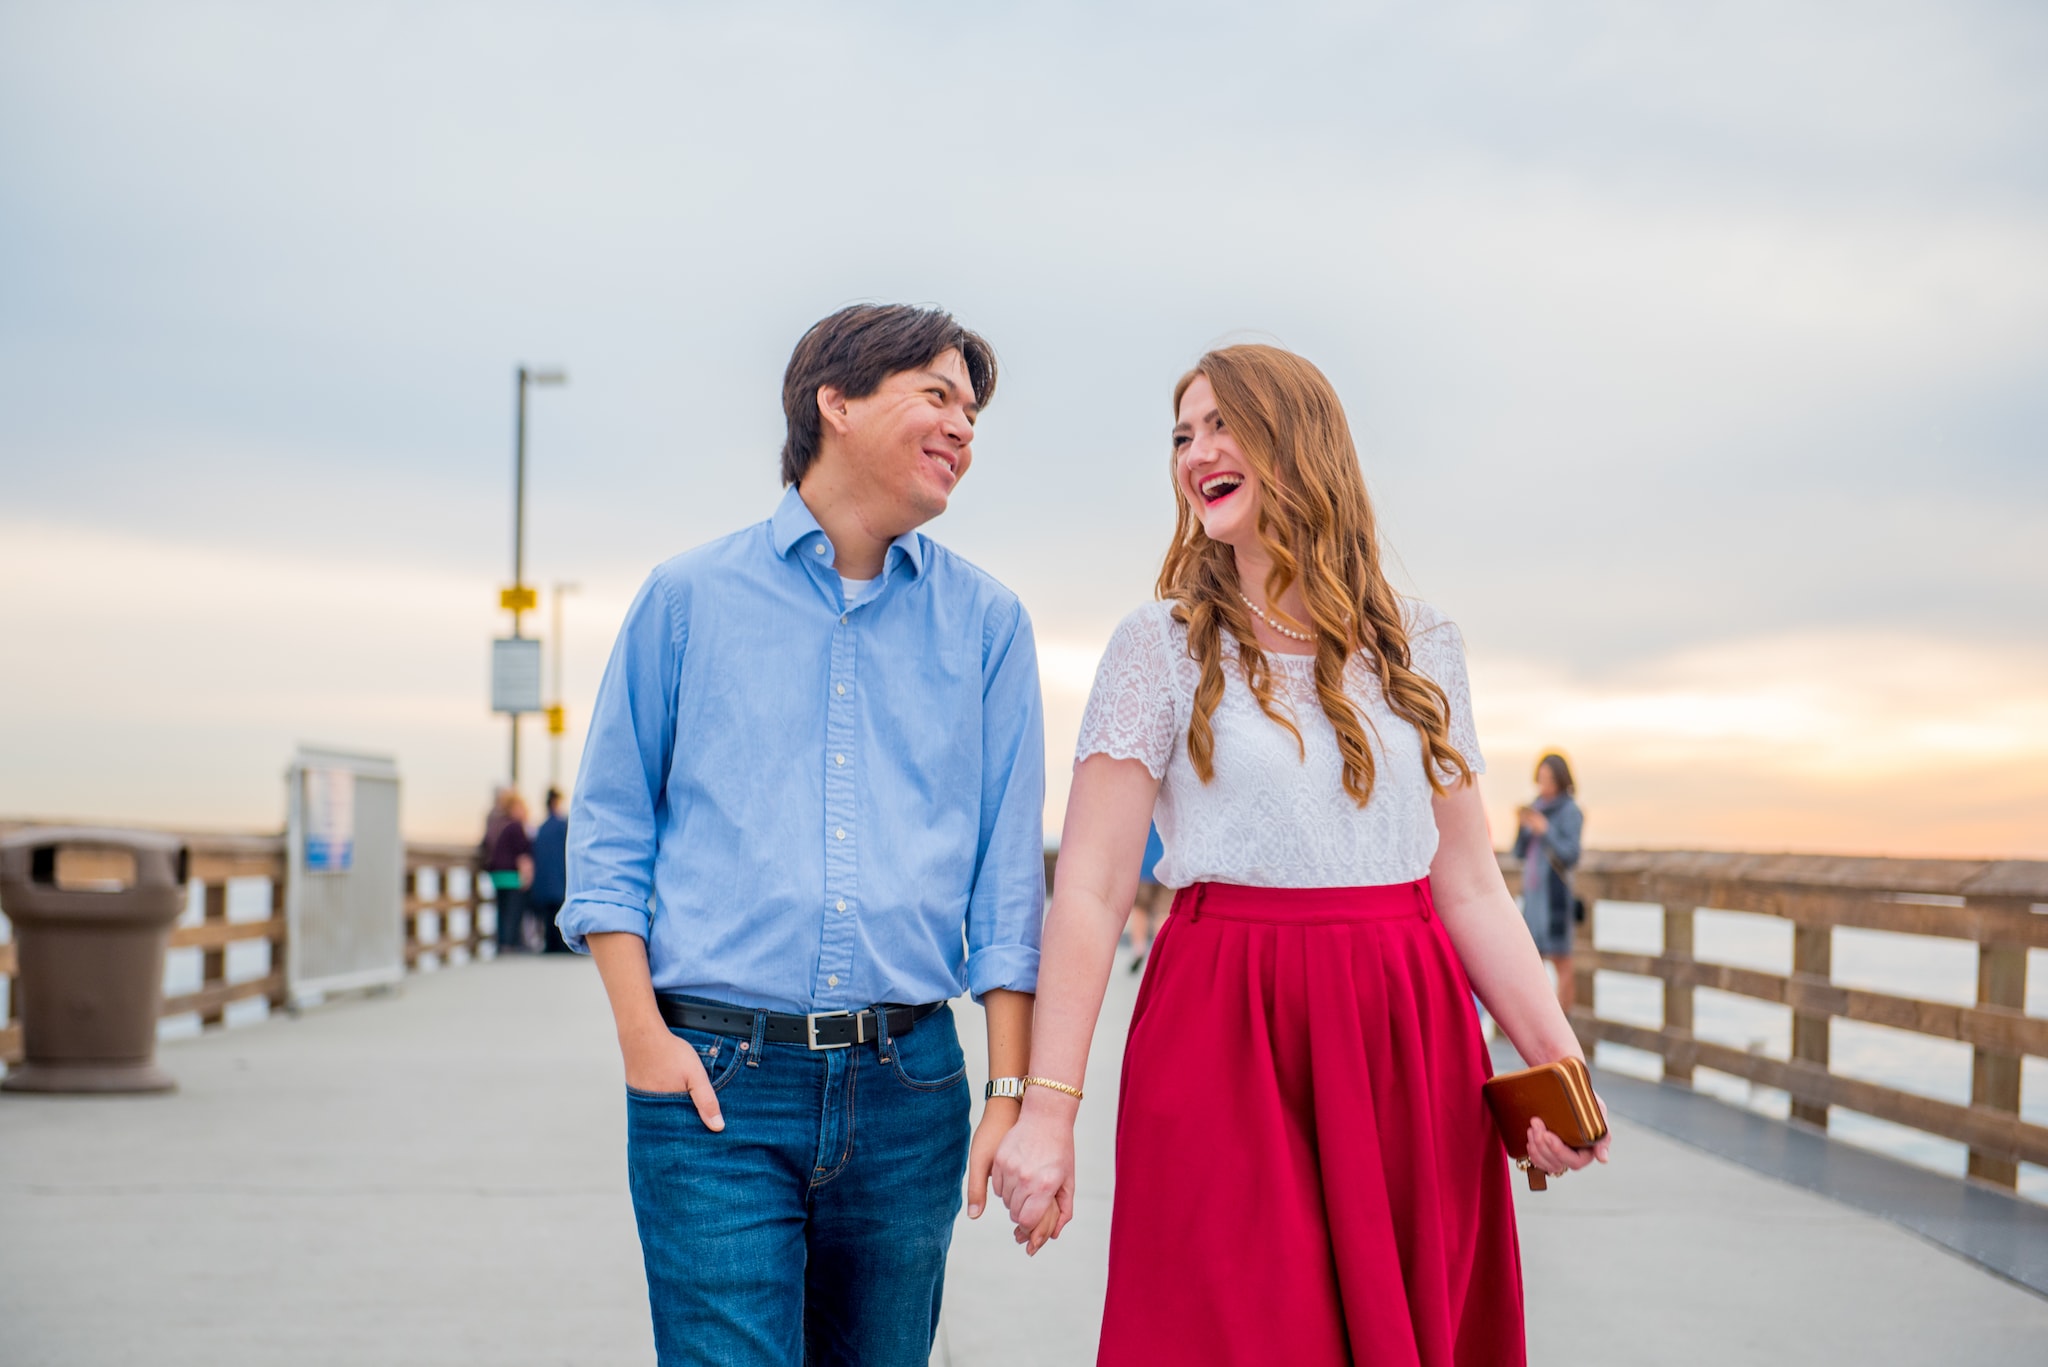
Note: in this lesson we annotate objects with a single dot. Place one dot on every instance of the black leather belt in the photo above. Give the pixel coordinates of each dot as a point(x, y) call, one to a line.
point(818, 1030)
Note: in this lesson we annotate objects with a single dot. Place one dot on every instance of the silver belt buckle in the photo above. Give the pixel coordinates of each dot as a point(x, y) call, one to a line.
point(811, 1029)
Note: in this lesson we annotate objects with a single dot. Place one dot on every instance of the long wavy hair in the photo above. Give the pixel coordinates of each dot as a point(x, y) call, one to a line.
point(1316, 524)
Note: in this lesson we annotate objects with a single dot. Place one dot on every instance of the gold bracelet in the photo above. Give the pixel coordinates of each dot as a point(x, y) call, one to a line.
point(1074, 1092)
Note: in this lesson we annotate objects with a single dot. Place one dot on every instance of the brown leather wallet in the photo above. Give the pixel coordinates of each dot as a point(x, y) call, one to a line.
point(1560, 1094)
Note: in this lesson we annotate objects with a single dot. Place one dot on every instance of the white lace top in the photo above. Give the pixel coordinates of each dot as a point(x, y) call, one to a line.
point(1272, 818)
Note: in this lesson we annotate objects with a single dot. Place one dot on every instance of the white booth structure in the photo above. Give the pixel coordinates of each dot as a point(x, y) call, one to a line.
point(344, 874)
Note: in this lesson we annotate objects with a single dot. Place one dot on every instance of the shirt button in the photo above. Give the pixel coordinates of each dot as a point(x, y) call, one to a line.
point(842, 904)
point(839, 759)
point(819, 548)
point(832, 981)
point(841, 832)
point(840, 689)
point(842, 619)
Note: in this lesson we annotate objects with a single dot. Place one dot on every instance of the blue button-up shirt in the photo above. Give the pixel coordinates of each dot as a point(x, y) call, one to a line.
point(806, 804)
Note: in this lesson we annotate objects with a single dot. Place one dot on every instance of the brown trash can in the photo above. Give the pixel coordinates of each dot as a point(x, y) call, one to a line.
point(91, 911)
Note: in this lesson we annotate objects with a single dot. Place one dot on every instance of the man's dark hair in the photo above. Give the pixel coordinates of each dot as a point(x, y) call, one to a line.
point(554, 796)
point(856, 349)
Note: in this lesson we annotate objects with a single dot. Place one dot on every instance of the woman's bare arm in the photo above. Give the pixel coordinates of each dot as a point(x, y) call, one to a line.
point(1499, 957)
point(1109, 810)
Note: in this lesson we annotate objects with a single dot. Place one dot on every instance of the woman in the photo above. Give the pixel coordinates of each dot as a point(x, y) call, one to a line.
point(1306, 1169)
point(1547, 843)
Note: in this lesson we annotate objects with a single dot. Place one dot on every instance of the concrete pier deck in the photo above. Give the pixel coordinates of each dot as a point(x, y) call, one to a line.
point(437, 1176)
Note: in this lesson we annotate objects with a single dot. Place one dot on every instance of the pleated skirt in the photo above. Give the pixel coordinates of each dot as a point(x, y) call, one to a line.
point(1306, 1171)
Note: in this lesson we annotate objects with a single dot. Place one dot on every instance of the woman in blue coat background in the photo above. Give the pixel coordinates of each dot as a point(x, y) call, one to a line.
point(1548, 846)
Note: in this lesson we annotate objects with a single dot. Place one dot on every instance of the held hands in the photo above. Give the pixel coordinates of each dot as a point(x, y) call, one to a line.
point(1034, 1169)
point(657, 1061)
point(998, 1118)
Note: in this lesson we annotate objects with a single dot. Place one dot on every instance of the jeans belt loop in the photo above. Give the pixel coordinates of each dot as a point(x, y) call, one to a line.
point(885, 1044)
point(753, 1046)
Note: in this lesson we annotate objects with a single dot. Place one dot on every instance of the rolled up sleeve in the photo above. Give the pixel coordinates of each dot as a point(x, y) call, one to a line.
point(615, 817)
point(1006, 911)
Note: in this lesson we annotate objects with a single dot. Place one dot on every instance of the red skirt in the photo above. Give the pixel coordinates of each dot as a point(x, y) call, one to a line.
point(1306, 1171)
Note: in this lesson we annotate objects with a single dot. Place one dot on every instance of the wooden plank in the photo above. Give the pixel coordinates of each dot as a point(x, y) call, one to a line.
point(1995, 1073)
point(217, 858)
point(214, 961)
point(8, 960)
point(1990, 922)
point(428, 855)
point(416, 950)
point(2017, 880)
point(1813, 957)
point(1678, 988)
point(1997, 1028)
point(210, 1002)
point(214, 935)
point(416, 906)
point(10, 1044)
point(218, 868)
point(1994, 1132)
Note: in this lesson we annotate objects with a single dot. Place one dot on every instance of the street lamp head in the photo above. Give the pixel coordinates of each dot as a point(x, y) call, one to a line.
point(556, 376)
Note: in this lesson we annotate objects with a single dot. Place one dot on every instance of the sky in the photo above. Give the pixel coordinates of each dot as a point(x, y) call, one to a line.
point(1695, 355)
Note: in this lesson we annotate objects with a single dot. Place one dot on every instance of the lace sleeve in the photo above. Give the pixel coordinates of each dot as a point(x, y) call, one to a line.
point(1437, 648)
point(1130, 710)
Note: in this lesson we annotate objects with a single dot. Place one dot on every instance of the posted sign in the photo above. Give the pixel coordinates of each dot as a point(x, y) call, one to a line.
point(515, 675)
point(330, 820)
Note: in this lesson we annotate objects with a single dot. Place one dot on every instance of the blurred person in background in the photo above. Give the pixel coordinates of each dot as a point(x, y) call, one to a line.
point(494, 822)
point(1145, 912)
point(550, 873)
point(510, 865)
point(1547, 843)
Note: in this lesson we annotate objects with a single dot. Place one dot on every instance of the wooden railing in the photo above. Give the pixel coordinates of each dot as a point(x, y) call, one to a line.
point(217, 859)
point(1998, 906)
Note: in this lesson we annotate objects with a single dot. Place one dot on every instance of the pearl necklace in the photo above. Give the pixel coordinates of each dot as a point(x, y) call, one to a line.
point(1284, 631)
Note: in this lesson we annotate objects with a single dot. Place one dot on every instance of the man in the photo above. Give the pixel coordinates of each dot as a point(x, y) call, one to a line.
point(550, 873)
point(809, 815)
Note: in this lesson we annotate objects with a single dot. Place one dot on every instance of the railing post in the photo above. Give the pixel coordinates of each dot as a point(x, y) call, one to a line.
point(1583, 978)
point(1813, 956)
point(409, 914)
point(1995, 1077)
point(1678, 989)
point(214, 962)
point(280, 995)
point(476, 910)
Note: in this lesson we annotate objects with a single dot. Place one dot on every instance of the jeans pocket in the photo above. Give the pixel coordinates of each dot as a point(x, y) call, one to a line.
point(929, 1059)
point(721, 1056)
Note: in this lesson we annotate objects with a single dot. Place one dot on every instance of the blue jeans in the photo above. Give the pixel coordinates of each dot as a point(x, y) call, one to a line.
point(813, 1229)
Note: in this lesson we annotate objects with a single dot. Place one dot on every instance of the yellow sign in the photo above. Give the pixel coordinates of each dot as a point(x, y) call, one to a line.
point(518, 598)
point(558, 720)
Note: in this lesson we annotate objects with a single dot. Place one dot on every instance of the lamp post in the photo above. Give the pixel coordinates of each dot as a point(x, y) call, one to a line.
point(558, 713)
point(519, 599)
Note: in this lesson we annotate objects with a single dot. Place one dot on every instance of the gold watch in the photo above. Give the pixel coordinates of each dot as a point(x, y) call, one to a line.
point(1003, 1086)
